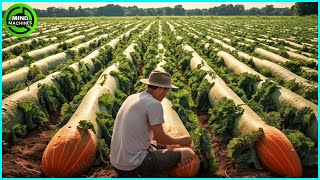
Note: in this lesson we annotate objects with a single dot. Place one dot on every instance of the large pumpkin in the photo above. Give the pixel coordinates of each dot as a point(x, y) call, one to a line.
point(186, 169)
point(277, 154)
point(70, 152)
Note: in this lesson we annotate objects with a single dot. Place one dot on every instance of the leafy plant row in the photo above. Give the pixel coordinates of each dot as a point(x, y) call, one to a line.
point(261, 101)
point(309, 93)
point(55, 89)
point(39, 69)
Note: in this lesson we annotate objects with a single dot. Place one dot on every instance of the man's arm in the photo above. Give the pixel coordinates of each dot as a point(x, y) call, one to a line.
point(163, 138)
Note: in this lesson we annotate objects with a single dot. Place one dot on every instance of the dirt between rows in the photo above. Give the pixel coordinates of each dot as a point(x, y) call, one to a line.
point(24, 159)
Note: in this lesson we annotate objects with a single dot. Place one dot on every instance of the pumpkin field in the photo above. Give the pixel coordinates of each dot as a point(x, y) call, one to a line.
point(247, 93)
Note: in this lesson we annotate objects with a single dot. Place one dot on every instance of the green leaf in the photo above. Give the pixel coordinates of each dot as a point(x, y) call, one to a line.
point(35, 74)
point(50, 98)
point(124, 81)
point(70, 82)
point(19, 130)
point(182, 97)
point(304, 146)
point(85, 124)
point(207, 153)
point(266, 72)
point(297, 119)
point(102, 152)
point(120, 97)
point(223, 113)
point(272, 118)
point(202, 98)
point(242, 149)
point(264, 94)
point(246, 82)
point(33, 114)
point(106, 123)
point(6, 133)
point(108, 100)
point(293, 66)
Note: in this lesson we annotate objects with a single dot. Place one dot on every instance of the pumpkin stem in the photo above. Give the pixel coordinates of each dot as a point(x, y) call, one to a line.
point(84, 124)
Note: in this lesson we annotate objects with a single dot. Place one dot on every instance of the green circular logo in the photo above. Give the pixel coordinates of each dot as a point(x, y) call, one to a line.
point(20, 20)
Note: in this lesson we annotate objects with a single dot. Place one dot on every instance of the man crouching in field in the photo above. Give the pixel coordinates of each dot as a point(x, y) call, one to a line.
point(138, 122)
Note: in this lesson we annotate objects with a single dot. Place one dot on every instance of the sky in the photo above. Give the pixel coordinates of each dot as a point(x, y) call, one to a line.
point(189, 5)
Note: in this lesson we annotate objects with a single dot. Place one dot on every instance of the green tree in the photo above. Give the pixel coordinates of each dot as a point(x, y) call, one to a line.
point(51, 11)
point(239, 9)
point(268, 10)
point(253, 11)
point(110, 10)
point(72, 11)
point(178, 10)
point(160, 12)
point(305, 8)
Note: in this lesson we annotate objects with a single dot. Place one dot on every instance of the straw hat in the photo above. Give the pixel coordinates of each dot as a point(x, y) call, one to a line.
point(159, 79)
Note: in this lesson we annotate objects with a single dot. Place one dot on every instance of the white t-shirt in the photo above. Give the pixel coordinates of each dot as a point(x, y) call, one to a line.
point(132, 133)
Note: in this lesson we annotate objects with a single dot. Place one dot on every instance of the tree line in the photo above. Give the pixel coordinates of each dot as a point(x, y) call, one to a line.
point(299, 9)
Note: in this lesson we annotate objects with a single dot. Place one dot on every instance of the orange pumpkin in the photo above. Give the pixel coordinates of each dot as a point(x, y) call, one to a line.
point(70, 152)
point(186, 169)
point(277, 154)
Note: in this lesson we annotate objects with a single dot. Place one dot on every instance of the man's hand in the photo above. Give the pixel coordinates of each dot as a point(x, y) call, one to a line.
point(163, 138)
point(173, 146)
point(185, 141)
